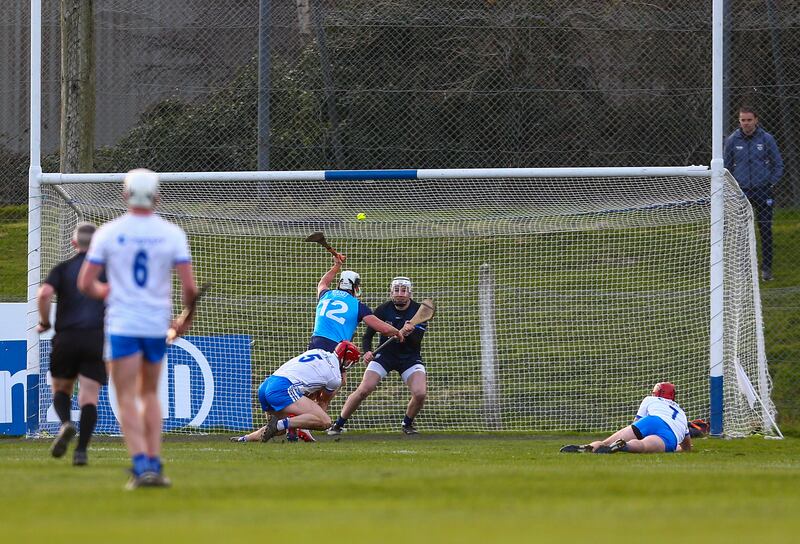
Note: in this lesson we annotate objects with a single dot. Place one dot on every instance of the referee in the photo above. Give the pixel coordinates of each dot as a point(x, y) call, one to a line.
point(77, 348)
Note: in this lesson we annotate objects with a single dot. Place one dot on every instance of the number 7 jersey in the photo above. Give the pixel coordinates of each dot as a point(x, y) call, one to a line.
point(139, 253)
point(669, 411)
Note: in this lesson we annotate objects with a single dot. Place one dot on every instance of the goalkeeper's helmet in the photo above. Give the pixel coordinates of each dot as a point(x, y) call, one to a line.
point(348, 354)
point(350, 281)
point(141, 188)
point(400, 290)
point(665, 390)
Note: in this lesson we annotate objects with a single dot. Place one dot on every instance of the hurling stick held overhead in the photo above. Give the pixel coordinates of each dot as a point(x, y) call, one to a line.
point(426, 311)
point(319, 238)
point(188, 311)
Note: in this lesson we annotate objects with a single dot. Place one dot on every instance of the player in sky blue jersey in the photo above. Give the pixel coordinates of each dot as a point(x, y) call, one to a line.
point(339, 311)
point(659, 426)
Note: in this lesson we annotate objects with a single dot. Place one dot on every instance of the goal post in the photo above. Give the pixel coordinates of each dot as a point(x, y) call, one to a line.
point(563, 294)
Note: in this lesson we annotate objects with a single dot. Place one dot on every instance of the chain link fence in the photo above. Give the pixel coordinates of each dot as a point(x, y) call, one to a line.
point(417, 84)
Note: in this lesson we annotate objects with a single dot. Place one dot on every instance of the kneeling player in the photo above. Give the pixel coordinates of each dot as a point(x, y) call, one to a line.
point(283, 394)
point(660, 426)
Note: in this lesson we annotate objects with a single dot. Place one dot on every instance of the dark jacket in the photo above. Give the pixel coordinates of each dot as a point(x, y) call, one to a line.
point(754, 161)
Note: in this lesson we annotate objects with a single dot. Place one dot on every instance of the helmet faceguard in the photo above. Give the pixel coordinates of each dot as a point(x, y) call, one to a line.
point(348, 354)
point(350, 281)
point(400, 290)
point(665, 390)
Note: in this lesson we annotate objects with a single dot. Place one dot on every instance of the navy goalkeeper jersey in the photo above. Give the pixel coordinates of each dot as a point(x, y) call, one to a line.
point(397, 351)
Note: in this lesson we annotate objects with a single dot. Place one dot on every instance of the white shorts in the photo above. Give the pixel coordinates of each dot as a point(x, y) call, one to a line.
point(382, 372)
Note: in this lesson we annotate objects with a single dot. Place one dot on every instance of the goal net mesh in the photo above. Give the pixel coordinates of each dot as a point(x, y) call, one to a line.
point(561, 300)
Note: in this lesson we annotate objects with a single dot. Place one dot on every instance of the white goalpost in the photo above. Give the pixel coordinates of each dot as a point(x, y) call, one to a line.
point(563, 294)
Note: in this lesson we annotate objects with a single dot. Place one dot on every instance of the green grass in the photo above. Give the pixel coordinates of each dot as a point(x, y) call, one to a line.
point(13, 248)
point(786, 241)
point(389, 488)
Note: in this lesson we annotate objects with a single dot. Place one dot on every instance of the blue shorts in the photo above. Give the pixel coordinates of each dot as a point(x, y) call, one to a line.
point(654, 425)
point(152, 349)
point(276, 393)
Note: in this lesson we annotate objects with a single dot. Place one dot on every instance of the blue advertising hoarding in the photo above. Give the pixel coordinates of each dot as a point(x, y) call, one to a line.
point(206, 385)
point(13, 387)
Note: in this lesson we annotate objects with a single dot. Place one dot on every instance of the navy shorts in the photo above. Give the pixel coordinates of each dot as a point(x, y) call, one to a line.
point(382, 365)
point(78, 351)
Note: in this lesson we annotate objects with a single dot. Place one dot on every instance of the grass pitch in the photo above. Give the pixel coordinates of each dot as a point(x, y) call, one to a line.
point(391, 488)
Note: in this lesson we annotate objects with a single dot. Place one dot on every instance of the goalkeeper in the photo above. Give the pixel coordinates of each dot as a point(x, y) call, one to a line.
point(659, 426)
point(404, 358)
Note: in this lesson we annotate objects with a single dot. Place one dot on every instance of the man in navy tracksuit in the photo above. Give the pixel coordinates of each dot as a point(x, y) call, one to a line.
point(752, 156)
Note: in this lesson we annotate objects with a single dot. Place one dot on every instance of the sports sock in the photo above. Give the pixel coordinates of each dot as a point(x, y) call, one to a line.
point(283, 424)
point(340, 422)
point(62, 404)
point(407, 421)
point(140, 464)
point(88, 422)
point(291, 434)
point(155, 464)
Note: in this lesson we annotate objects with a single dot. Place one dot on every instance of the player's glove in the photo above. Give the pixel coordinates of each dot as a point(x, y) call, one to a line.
point(698, 428)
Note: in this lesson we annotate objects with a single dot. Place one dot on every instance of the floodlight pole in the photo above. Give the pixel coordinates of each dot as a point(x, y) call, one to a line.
point(34, 221)
point(717, 264)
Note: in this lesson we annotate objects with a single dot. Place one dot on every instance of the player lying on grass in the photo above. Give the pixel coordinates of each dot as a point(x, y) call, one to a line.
point(660, 426)
point(283, 394)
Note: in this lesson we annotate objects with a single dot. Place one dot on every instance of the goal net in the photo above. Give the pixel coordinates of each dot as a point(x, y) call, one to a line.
point(562, 299)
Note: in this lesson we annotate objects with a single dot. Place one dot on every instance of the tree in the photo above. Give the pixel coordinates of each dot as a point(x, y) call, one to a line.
point(77, 85)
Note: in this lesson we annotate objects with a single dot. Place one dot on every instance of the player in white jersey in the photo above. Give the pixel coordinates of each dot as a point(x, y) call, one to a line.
point(139, 251)
point(283, 395)
point(659, 426)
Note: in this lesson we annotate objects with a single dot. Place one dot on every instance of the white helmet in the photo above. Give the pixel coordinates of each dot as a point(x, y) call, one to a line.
point(141, 188)
point(350, 281)
point(400, 280)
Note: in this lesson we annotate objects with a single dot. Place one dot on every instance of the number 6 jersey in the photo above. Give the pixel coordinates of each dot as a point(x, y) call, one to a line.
point(139, 252)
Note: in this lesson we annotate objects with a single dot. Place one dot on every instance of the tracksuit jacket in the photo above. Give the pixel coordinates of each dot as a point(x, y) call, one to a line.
point(754, 161)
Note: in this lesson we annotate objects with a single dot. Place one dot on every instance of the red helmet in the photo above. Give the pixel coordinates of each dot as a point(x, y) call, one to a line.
point(665, 390)
point(348, 354)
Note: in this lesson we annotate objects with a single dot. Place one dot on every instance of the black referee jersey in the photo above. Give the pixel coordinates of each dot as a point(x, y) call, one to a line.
point(74, 310)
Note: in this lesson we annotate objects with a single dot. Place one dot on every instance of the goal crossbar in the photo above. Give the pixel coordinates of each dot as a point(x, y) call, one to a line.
point(354, 175)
